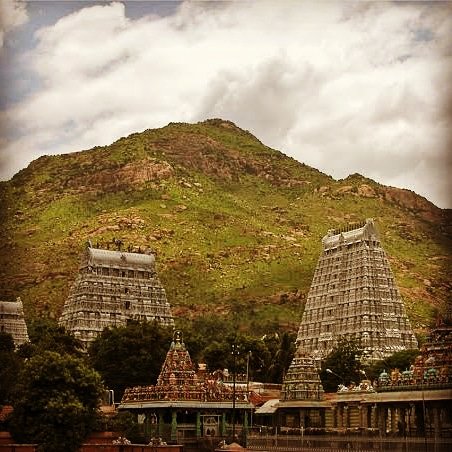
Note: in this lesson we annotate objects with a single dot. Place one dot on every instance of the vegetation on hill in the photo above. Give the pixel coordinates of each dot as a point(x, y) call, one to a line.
point(235, 225)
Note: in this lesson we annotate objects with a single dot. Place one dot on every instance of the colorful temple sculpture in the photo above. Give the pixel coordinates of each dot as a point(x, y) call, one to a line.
point(432, 367)
point(353, 295)
point(12, 321)
point(185, 405)
point(410, 403)
point(112, 288)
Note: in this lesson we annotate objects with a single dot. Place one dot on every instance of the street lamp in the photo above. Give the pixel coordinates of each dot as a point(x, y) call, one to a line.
point(334, 373)
point(235, 352)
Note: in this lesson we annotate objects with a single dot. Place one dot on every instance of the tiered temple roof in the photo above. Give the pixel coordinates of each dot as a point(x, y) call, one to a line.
point(12, 321)
point(302, 381)
point(353, 295)
point(112, 288)
point(178, 381)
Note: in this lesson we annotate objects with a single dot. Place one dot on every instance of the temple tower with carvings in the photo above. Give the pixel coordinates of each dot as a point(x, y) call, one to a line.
point(112, 288)
point(353, 295)
point(12, 321)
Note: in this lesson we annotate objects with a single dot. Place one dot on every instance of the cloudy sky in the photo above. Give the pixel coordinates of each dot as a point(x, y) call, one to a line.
point(342, 86)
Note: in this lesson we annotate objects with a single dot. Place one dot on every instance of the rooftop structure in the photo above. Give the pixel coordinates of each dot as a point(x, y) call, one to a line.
point(12, 321)
point(112, 288)
point(185, 405)
point(178, 381)
point(432, 367)
point(353, 295)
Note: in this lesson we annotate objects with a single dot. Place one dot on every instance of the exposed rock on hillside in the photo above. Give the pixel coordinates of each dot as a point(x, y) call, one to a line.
point(235, 225)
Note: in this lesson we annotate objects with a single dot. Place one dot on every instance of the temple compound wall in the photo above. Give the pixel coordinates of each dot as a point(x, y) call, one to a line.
point(353, 295)
point(12, 321)
point(112, 288)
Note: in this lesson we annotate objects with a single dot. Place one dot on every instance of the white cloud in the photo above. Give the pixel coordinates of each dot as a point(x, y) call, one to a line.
point(13, 13)
point(345, 87)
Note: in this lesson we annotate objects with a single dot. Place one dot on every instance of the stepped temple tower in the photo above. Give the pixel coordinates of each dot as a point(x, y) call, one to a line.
point(178, 368)
point(12, 321)
point(178, 381)
point(353, 295)
point(302, 381)
point(112, 288)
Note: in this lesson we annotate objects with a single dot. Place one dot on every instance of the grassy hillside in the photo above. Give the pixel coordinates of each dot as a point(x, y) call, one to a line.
point(235, 225)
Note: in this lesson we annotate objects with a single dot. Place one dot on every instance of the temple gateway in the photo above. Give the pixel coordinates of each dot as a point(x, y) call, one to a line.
point(12, 321)
point(353, 295)
point(112, 288)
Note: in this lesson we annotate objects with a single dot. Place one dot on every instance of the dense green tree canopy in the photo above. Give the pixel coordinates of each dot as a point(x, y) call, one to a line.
point(55, 404)
point(343, 364)
point(131, 355)
point(9, 367)
point(46, 334)
point(267, 358)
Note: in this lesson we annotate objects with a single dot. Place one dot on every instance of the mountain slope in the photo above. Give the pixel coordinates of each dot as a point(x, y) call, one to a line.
point(236, 226)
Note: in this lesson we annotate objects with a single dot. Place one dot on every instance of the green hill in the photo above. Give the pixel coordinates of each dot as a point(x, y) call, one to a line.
point(235, 225)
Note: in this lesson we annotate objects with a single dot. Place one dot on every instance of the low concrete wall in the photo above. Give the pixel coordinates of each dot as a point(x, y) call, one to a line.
point(98, 442)
point(97, 448)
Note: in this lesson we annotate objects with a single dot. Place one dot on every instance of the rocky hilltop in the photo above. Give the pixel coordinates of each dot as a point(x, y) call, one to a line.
point(235, 225)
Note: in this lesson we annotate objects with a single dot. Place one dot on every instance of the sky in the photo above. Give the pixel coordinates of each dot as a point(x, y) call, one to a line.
point(346, 87)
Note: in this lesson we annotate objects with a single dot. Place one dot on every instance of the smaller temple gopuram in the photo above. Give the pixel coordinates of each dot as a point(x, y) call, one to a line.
point(302, 381)
point(112, 288)
point(302, 401)
point(12, 321)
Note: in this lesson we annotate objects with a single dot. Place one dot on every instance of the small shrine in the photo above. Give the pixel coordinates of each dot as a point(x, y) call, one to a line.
point(186, 404)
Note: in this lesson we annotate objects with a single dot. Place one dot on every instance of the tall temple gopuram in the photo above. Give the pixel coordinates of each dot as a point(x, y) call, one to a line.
point(112, 288)
point(12, 321)
point(353, 295)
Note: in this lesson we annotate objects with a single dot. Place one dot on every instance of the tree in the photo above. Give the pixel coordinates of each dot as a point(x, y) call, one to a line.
point(344, 366)
point(45, 335)
point(281, 356)
point(399, 360)
point(55, 405)
point(209, 340)
point(9, 367)
point(131, 355)
point(202, 333)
